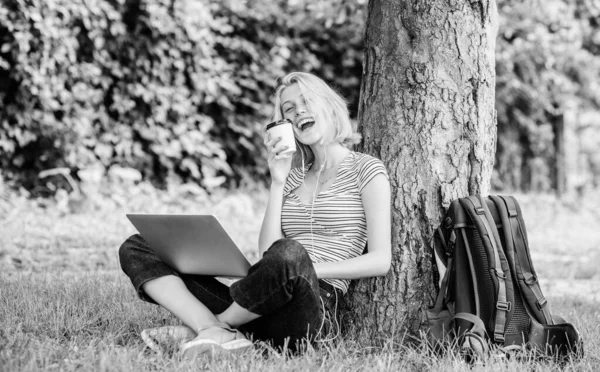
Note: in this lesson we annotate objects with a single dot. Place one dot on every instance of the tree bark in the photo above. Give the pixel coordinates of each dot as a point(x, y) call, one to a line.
point(427, 111)
point(560, 171)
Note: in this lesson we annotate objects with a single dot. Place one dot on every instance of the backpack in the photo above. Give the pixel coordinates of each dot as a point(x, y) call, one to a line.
point(489, 293)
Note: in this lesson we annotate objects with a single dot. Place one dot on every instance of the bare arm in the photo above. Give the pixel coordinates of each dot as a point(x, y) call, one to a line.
point(270, 230)
point(279, 166)
point(376, 262)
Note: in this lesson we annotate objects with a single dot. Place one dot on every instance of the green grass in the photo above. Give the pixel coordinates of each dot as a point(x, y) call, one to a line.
point(64, 305)
point(92, 322)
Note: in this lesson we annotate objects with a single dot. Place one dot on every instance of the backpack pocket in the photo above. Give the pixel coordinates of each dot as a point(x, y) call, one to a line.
point(439, 332)
point(557, 340)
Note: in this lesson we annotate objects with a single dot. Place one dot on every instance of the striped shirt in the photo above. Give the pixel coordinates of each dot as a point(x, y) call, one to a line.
point(339, 226)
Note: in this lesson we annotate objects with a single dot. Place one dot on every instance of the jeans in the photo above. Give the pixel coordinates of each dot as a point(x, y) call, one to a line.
point(282, 287)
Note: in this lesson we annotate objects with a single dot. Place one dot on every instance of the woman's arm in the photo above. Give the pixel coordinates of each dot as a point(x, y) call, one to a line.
point(279, 167)
point(376, 201)
point(270, 230)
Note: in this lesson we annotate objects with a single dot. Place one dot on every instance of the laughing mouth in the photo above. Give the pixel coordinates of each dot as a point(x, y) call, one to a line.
point(305, 124)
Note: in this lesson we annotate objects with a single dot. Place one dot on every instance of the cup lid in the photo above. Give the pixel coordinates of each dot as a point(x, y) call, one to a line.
point(278, 122)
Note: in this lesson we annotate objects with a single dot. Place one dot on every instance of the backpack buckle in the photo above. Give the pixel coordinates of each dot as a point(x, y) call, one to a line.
point(541, 303)
point(480, 210)
point(530, 280)
point(450, 245)
point(500, 274)
point(499, 333)
point(512, 213)
point(504, 306)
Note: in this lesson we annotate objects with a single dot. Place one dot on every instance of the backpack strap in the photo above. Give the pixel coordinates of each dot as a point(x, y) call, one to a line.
point(509, 248)
point(472, 271)
point(439, 317)
point(440, 247)
point(472, 341)
point(481, 213)
point(516, 234)
point(439, 302)
point(473, 319)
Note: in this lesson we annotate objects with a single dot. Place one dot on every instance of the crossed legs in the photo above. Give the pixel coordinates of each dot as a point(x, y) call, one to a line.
point(278, 300)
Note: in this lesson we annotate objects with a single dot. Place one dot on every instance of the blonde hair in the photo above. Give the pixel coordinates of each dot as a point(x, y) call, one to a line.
point(324, 103)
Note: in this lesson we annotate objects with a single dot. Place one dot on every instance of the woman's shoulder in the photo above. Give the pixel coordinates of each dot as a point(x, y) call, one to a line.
point(366, 167)
point(361, 160)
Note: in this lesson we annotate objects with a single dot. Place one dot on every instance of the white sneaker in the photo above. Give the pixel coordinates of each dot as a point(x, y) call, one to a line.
point(167, 338)
point(210, 347)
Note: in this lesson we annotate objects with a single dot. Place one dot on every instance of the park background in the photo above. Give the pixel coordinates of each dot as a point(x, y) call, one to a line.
point(115, 106)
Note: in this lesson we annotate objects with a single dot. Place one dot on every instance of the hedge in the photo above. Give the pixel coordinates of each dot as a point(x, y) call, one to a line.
point(176, 89)
point(180, 89)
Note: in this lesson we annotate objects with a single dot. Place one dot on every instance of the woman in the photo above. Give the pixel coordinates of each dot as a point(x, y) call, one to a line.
point(319, 218)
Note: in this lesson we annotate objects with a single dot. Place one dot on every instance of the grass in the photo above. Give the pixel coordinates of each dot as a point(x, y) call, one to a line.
point(65, 305)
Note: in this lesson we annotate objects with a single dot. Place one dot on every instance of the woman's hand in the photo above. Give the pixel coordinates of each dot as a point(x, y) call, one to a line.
point(279, 164)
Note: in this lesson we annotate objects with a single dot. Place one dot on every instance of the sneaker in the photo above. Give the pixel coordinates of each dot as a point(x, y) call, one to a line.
point(201, 345)
point(167, 338)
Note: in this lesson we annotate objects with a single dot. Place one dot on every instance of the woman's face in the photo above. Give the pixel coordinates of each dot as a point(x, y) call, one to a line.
point(309, 128)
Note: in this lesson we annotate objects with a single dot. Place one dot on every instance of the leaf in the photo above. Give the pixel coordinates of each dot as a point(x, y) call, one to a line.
point(191, 166)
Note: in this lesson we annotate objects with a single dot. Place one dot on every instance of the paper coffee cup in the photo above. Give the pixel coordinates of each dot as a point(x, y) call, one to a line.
point(283, 128)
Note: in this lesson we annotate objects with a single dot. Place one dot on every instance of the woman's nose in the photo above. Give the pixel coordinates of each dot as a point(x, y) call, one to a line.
point(301, 110)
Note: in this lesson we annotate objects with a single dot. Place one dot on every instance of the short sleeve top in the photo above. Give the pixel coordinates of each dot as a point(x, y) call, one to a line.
point(334, 228)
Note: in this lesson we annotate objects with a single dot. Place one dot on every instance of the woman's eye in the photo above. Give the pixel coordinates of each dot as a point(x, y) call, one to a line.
point(289, 109)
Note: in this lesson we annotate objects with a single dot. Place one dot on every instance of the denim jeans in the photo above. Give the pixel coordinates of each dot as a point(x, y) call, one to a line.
point(282, 287)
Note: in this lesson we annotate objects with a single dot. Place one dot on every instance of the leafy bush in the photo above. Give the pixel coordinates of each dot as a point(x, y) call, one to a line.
point(180, 90)
point(176, 89)
point(547, 65)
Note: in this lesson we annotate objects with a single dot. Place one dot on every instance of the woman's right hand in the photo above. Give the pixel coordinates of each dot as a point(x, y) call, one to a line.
point(279, 164)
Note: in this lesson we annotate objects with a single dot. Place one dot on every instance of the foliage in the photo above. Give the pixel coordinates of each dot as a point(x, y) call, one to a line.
point(176, 89)
point(547, 63)
point(180, 90)
point(99, 82)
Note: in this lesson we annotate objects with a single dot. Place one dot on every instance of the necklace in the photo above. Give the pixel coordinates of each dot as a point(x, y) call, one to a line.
point(322, 177)
point(334, 165)
point(324, 180)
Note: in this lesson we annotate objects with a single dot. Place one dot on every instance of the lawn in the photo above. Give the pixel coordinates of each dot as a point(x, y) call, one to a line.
point(65, 304)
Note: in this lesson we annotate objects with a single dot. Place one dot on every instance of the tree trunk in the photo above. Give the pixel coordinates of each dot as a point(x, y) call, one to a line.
point(560, 171)
point(427, 111)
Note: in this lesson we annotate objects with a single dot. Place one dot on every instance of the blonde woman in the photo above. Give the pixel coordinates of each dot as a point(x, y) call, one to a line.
point(326, 204)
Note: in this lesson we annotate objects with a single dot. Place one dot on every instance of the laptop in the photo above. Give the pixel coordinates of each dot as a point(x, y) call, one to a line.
point(192, 244)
